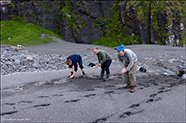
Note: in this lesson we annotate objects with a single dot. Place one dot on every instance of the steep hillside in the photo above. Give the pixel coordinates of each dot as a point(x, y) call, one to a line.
point(107, 22)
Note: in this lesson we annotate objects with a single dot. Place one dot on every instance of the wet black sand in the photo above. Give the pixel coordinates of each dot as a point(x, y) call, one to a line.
point(92, 100)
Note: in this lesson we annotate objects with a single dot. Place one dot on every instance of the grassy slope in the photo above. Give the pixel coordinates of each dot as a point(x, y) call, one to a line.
point(25, 34)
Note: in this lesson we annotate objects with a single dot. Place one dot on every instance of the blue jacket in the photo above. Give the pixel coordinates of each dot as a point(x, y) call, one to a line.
point(75, 59)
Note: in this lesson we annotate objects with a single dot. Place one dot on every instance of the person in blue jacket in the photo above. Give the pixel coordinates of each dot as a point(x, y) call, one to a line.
point(72, 61)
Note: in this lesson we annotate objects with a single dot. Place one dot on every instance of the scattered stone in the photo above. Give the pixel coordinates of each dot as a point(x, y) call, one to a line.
point(184, 64)
point(20, 60)
point(166, 74)
point(4, 67)
point(29, 58)
point(184, 76)
point(36, 65)
point(8, 63)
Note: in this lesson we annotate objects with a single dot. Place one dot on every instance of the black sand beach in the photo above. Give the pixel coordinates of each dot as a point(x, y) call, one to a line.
point(50, 96)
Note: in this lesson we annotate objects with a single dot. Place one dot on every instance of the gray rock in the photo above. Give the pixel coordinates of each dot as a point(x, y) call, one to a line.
point(170, 61)
point(62, 59)
point(5, 67)
point(32, 69)
point(7, 54)
point(184, 76)
point(175, 60)
point(36, 65)
point(8, 63)
point(30, 58)
point(184, 64)
point(7, 48)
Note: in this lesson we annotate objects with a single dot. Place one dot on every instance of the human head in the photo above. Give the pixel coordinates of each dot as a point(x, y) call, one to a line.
point(69, 62)
point(121, 50)
point(96, 50)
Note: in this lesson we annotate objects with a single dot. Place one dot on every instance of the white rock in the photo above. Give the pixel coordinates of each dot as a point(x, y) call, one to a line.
point(166, 74)
point(122, 71)
point(184, 76)
point(17, 61)
point(29, 57)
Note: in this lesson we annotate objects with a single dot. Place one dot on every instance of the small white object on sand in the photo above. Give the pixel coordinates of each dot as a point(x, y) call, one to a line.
point(184, 76)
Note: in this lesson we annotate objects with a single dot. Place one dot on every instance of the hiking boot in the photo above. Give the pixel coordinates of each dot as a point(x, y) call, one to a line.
point(107, 77)
point(101, 76)
point(127, 86)
point(132, 89)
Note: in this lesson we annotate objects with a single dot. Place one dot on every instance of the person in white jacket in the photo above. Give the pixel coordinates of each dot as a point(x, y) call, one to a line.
point(128, 61)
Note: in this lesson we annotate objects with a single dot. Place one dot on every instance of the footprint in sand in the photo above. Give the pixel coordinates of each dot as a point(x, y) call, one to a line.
point(90, 89)
point(134, 105)
point(58, 95)
point(152, 95)
point(25, 102)
point(129, 113)
point(109, 92)
point(43, 96)
point(110, 86)
point(72, 101)
point(150, 100)
point(42, 105)
point(9, 103)
point(8, 113)
point(90, 95)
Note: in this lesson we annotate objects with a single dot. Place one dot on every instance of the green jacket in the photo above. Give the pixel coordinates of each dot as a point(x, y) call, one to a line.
point(103, 56)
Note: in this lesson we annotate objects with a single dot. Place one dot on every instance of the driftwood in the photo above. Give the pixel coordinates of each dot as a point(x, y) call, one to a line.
point(13, 47)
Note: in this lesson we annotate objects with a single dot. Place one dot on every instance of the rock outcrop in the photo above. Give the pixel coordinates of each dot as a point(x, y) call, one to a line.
point(84, 21)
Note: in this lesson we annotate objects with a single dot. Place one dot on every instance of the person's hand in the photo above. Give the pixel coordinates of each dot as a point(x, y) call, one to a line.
point(71, 76)
point(125, 70)
point(99, 65)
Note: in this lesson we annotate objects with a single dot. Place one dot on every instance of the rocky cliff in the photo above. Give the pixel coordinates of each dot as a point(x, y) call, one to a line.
point(88, 21)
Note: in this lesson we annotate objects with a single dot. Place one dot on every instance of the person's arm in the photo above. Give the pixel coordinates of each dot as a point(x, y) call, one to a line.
point(98, 58)
point(121, 62)
point(131, 62)
point(73, 74)
point(71, 70)
point(75, 70)
point(103, 56)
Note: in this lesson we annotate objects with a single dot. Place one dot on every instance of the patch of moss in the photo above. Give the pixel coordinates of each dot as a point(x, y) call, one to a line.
point(14, 32)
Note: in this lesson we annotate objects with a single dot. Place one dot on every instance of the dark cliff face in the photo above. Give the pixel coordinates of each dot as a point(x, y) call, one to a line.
point(168, 29)
point(84, 21)
point(76, 22)
point(72, 20)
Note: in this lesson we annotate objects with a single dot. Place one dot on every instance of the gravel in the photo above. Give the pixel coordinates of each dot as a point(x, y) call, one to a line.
point(14, 60)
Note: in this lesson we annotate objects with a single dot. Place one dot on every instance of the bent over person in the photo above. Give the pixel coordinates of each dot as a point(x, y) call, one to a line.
point(128, 61)
point(105, 61)
point(72, 61)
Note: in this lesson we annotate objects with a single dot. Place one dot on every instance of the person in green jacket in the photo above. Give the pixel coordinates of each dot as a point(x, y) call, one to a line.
point(105, 61)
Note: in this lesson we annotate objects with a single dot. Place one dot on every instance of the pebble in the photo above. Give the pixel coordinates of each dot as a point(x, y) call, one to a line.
point(14, 60)
point(29, 58)
point(184, 76)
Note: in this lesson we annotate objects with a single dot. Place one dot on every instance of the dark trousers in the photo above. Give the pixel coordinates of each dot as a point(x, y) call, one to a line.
point(105, 67)
point(80, 63)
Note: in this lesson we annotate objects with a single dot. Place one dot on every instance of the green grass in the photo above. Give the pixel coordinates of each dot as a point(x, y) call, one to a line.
point(182, 42)
point(114, 41)
point(106, 42)
point(25, 34)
